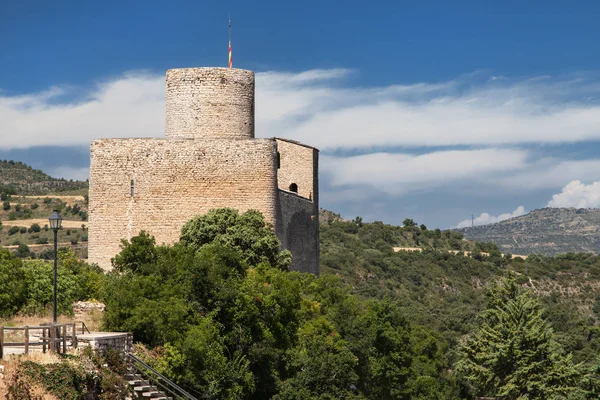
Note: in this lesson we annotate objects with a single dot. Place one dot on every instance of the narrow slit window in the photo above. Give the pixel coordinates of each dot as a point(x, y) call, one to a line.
point(132, 188)
point(294, 188)
point(278, 160)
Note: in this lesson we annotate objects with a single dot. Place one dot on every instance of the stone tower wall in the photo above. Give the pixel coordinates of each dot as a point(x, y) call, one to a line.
point(210, 103)
point(297, 165)
point(298, 231)
point(173, 181)
point(298, 217)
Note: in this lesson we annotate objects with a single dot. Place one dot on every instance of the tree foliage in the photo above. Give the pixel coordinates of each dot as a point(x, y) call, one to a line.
point(513, 354)
point(226, 320)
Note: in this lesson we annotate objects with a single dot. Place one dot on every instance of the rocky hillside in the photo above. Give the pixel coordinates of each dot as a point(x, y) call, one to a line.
point(19, 178)
point(548, 231)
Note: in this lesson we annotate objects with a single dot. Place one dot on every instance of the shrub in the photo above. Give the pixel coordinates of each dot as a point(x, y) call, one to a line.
point(13, 230)
point(23, 230)
point(18, 207)
point(35, 228)
point(23, 251)
point(6, 205)
point(35, 206)
point(42, 240)
point(47, 200)
point(84, 238)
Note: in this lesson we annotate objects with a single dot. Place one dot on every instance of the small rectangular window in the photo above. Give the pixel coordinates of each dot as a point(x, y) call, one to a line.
point(132, 188)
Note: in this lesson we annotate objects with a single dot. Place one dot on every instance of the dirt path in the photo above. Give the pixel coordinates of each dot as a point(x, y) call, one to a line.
point(466, 253)
point(69, 200)
point(42, 222)
point(33, 246)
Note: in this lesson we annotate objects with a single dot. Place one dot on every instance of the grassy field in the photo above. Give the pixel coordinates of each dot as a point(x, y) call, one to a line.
point(25, 221)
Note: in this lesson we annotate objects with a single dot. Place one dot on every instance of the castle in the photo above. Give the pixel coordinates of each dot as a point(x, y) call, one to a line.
point(208, 159)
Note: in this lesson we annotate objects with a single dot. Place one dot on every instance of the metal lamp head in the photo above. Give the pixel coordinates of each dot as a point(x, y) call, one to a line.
point(55, 220)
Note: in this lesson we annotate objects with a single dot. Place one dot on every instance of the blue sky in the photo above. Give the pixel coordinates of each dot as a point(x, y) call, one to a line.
point(430, 110)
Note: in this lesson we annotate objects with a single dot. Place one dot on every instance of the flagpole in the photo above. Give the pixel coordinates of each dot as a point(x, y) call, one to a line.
point(230, 61)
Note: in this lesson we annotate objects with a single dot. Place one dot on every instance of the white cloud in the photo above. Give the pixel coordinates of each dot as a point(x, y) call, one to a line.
point(577, 194)
point(486, 218)
point(314, 107)
point(488, 117)
point(400, 173)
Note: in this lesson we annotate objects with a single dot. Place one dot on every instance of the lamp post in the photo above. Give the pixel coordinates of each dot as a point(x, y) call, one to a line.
point(55, 224)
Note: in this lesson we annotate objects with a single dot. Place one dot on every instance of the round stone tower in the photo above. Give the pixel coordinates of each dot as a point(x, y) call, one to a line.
point(210, 103)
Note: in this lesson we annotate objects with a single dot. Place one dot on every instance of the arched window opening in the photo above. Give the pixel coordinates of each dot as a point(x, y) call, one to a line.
point(294, 188)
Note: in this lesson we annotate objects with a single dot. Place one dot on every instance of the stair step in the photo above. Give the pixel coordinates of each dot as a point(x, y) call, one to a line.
point(146, 388)
point(153, 394)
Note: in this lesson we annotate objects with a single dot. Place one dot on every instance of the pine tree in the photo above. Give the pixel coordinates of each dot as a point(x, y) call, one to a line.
point(513, 354)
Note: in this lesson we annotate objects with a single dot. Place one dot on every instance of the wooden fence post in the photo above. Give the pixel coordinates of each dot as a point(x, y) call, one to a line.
point(1, 342)
point(26, 334)
point(64, 339)
point(52, 338)
point(44, 338)
point(74, 336)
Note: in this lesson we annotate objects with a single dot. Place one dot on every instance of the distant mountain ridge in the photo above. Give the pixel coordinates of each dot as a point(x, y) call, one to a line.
point(19, 178)
point(547, 231)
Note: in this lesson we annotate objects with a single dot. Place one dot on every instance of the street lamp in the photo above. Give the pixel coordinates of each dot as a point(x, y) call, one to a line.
point(55, 224)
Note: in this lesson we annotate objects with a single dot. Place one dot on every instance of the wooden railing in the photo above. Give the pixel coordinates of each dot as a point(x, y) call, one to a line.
point(54, 337)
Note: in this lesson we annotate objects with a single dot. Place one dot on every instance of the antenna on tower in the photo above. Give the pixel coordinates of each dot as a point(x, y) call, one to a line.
point(472, 220)
point(230, 62)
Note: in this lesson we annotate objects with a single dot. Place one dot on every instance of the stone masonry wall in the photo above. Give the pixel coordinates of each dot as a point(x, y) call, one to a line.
point(298, 222)
point(210, 103)
point(299, 231)
point(173, 181)
point(297, 165)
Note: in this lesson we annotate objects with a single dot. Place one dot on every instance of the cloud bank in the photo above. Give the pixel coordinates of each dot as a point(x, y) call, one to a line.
point(578, 195)
point(486, 218)
point(321, 108)
point(476, 135)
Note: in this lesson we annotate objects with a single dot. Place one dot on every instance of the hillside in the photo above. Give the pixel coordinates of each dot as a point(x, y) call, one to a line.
point(548, 231)
point(19, 178)
point(444, 291)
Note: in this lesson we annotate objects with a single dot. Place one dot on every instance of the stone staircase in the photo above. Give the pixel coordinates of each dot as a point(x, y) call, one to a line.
point(142, 388)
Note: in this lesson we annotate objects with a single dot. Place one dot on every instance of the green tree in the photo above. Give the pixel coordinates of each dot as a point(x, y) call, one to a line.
point(13, 290)
point(513, 354)
point(247, 232)
point(408, 222)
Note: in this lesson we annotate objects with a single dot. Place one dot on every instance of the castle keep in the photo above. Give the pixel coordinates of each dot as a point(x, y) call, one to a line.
point(208, 159)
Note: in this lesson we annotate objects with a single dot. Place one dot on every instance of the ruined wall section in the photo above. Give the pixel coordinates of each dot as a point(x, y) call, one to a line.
point(173, 181)
point(299, 231)
point(210, 103)
point(298, 164)
point(298, 221)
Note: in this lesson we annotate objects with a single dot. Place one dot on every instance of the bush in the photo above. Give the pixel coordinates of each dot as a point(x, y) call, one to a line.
point(13, 230)
point(23, 230)
point(23, 251)
point(35, 206)
point(6, 205)
point(35, 228)
point(42, 240)
point(47, 200)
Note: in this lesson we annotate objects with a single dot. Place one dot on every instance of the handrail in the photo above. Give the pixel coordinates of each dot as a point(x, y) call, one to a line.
point(182, 394)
